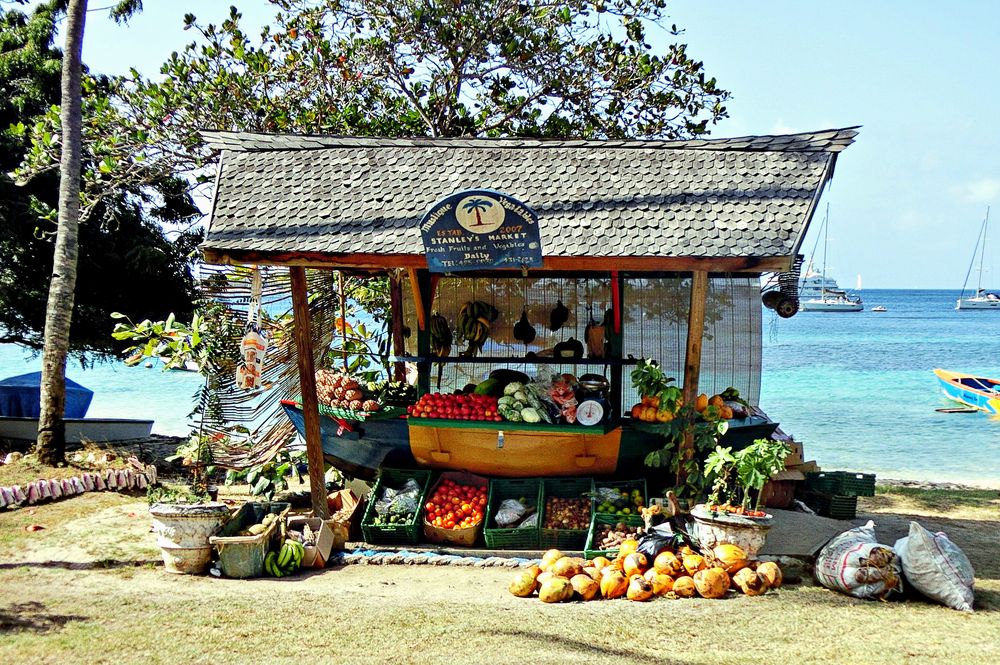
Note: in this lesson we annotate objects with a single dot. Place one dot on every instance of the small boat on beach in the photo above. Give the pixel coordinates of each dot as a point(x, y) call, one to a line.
point(975, 391)
point(19, 410)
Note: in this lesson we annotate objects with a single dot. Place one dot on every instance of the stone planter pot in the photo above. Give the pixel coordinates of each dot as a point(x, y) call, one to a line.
point(717, 528)
point(182, 532)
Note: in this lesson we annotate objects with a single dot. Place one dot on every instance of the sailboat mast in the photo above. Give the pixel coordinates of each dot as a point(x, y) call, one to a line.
point(826, 237)
point(982, 253)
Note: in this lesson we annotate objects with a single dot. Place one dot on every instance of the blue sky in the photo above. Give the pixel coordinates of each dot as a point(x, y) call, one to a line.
point(907, 198)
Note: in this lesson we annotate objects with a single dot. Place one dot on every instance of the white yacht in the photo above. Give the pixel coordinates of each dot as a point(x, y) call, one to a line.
point(983, 299)
point(829, 297)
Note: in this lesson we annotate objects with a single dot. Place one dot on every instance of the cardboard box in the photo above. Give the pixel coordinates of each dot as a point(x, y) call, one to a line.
point(344, 516)
point(795, 457)
point(315, 555)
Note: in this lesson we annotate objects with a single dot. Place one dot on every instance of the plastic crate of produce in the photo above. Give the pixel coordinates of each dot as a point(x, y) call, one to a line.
point(842, 483)
point(395, 534)
point(592, 548)
point(466, 537)
point(564, 488)
point(834, 506)
point(501, 489)
point(243, 556)
point(621, 486)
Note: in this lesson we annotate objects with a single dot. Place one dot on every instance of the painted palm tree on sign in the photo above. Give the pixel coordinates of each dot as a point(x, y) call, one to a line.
point(478, 206)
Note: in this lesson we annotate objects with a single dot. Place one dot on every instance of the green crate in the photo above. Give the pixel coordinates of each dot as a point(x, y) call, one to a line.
point(600, 519)
point(502, 489)
point(621, 486)
point(395, 534)
point(841, 483)
point(243, 556)
point(563, 488)
point(835, 506)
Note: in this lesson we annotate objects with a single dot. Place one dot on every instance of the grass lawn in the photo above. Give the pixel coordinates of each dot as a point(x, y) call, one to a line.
point(85, 589)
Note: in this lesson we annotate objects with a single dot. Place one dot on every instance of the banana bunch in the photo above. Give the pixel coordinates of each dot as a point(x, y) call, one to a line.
point(440, 336)
point(285, 561)
point(473, 325)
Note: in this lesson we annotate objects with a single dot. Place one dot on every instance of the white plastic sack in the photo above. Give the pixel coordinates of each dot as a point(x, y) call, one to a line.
point(937, 567)
point(856, 564)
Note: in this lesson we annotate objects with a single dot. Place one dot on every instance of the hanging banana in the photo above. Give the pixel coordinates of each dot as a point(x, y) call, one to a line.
point(473, 325)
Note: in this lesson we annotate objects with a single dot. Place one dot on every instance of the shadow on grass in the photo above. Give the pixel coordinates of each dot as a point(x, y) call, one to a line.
point(587, 649)
point(31, 617)
point(103, 564)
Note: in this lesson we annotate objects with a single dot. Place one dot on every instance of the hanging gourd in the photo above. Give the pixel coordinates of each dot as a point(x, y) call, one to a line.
point(558, 316)
point(523, 330)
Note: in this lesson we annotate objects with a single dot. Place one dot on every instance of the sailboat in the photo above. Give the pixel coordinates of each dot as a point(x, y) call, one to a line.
point(831, 299)
point(983, 299)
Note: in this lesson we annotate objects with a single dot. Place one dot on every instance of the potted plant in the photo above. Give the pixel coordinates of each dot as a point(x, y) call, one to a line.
point(732, 514)
point(185, 517)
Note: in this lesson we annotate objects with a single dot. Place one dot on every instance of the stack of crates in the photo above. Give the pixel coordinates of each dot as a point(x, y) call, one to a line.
point(835, 493)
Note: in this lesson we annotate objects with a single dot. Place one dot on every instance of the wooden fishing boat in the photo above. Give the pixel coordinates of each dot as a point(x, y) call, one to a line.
point(101, 430)
point(514, 450)
point(975, 391)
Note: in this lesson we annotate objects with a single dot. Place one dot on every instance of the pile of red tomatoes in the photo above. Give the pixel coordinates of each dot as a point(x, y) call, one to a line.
point(454, 506)
point(455, 407)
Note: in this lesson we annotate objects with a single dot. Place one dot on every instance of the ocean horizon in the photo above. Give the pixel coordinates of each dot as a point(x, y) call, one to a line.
point(856, 388)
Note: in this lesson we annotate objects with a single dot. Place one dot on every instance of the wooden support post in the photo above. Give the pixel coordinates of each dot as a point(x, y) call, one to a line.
point(396, 314)
point(616, 371)
point(307, 383)
point(692, 360)
point(424, 301)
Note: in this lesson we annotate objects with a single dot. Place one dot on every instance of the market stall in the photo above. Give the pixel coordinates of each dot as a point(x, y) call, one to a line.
point(561, 263)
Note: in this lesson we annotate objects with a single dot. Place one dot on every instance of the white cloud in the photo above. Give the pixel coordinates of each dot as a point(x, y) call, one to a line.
point(983, 190)
point(779, 127)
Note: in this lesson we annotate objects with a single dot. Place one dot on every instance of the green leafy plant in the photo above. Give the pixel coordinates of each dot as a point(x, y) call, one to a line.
point(739, 477)
point(650, 381)
point(175, 494)
point(271, 477)
point(705, 436)
point(197, 456)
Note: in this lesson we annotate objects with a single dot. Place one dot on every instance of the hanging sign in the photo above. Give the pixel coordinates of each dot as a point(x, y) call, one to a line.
point(480, 229)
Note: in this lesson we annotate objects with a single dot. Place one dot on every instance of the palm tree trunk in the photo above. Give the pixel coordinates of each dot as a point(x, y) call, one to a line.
point(51, 445)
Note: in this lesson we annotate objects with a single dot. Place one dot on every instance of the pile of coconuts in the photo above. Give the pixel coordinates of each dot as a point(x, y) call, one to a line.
point(681, 574)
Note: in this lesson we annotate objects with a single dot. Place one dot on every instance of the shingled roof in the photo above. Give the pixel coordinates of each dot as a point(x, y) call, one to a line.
point(352, 201)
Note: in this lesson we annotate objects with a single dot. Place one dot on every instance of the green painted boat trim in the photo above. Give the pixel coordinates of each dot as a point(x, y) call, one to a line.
point(509, 426)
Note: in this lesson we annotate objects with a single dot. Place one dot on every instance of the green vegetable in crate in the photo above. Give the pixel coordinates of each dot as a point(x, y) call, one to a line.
point(530, 415)
point(505, 401)
point(285, 561)
point(513, 388)
point(511, 414)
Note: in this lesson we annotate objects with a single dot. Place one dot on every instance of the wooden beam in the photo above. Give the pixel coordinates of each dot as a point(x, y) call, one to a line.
point(307, 384)
point(576, 264)
point(692, 359)
point(396, 314)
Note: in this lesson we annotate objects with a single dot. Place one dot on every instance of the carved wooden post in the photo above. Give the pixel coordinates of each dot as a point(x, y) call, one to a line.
point(692, 361)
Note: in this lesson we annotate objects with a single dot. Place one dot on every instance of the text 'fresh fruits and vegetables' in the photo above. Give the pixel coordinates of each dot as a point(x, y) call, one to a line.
point(566, 513)
point(455, 407)
point(456, 506)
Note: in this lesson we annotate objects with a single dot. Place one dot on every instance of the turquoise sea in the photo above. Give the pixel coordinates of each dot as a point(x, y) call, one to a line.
point(855, 388)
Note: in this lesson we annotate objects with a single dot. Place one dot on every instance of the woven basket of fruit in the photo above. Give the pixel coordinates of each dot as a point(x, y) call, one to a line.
point(454, 509)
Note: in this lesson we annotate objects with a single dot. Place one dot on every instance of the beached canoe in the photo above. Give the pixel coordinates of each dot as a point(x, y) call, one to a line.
point(511, 450)
point(975, 391)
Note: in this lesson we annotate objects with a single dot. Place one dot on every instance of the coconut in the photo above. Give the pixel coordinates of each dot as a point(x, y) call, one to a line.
point(523, 584)
point(730, 558)
point(599, 562)
point(711, 582)
point(684, 587)
point(535, 570)
point(556, 590)
point(770, 571)
point(628, 546)
point(640, 589)
point(585, 587)
point(566, 567)
point(550, 558)
point(750, 582)
point(593, 573)
point(662, 583)
point(614, 584)
point(635, 563)
point(693, 563)
point(668, 564)
point(543, 577)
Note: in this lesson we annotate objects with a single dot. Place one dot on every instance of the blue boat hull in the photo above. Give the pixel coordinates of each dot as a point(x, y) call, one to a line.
point(978, 392)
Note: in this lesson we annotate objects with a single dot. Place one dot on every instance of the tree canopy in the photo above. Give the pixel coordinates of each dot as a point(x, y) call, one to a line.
point(127, 261)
